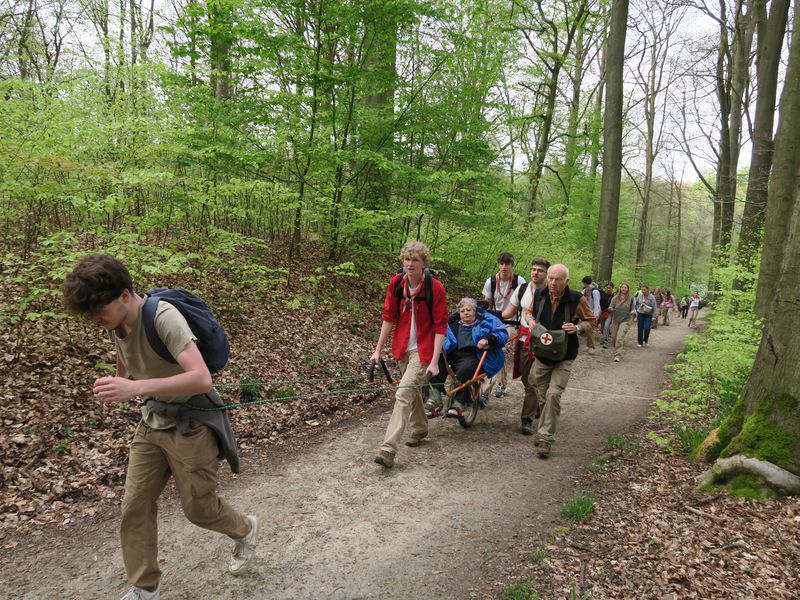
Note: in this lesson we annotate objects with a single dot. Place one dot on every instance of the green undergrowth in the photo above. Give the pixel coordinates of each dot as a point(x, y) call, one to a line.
point(708, 376)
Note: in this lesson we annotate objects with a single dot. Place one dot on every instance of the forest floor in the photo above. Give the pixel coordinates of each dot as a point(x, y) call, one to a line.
point(465, 515)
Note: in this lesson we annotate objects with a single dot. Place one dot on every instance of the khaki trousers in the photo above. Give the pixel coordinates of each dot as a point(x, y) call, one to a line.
point(192, 461)
point(530, 405)
point(407, 403)
point(551, 381)
point(619, 329)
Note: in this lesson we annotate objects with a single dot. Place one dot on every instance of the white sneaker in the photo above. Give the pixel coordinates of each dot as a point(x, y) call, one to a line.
point(617, 359)
point(590, 351)
point(244, 549)
point(499, 391)
point(137, 593)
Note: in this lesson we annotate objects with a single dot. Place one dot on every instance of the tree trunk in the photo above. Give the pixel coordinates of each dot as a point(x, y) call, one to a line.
point(782, 198)
point(612, 143)
point(770, 42)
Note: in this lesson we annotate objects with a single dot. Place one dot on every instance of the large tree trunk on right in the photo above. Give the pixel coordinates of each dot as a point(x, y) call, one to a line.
point(612, 144)
point(766, 423)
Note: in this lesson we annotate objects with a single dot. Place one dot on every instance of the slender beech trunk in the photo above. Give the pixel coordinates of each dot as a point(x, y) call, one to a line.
point(612, 143)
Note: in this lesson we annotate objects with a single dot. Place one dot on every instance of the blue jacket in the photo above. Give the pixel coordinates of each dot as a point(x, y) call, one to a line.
point(486, 326)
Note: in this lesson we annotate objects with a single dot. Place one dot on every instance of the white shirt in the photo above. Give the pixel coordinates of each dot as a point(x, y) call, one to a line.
point(501, 302)
point(526, 303)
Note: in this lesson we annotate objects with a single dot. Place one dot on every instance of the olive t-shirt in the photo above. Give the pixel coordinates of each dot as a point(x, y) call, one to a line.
point(142, 361)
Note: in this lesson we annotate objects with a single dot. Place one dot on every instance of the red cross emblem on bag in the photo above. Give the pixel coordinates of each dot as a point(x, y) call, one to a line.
point(546, 338)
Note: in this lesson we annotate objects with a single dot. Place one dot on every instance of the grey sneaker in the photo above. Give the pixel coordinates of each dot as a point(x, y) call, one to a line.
point(499, 391)
point(137, 593)
point(244, 549)
point(526, 428)
point(483, 399)
point(385, 459)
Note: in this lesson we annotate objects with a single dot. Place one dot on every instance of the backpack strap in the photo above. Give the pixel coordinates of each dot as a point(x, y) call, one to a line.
point(149, 322)
point(427, 282)
point(493, 287)
point(567, 313)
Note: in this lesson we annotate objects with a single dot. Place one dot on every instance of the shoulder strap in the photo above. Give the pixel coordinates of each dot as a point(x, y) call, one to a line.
point(149, 323)
point(493, 289)
point(541, 307)
point(515, 282)
point(521, 293)
point(429, 291)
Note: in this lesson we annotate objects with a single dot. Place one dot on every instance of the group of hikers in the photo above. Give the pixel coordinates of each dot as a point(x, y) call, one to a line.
point(544, 317)
point(168, 343)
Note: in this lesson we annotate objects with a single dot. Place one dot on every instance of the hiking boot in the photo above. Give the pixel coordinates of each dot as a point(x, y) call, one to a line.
point(244, 549)
point(416, 439)
point(137, 593)
point(544, 449)
point(385, 459)
point(483, 399)
point(526, 428)
point(536, 439)
point(499, 391)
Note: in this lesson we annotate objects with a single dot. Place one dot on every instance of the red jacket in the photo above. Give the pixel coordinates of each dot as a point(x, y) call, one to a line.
point(426, 329)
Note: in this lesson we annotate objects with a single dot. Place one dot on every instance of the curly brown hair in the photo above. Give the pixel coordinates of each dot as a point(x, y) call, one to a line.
point(97, 280)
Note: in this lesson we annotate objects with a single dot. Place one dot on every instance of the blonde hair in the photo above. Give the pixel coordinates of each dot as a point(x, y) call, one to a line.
point(415, 249)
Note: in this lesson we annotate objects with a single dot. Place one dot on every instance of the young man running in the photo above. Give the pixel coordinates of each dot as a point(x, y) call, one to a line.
point(523, 360)
point(101, 290)
point(415, 308)
point(497, 291)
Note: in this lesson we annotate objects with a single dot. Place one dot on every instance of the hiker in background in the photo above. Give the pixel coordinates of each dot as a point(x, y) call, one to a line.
point(622, 313)
point(667, 304)
point(521, 302)
point(470, 332)
point(100, 289)
point(684, 306)
point(695, 303)
point(497, 291)
point(555, 308)
point(645, 307)
point(592, 295)
point(605, 315)
point(659, 296)
point(415, 315)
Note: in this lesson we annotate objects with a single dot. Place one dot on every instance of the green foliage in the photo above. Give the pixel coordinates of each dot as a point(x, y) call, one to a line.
point(522, 590)
point(578, 507)
point(691, 437)
point(539, 555)
point(250, 388)
point(626, 443)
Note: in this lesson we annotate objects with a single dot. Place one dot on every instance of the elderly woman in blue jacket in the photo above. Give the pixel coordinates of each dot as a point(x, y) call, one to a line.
point(469, 333)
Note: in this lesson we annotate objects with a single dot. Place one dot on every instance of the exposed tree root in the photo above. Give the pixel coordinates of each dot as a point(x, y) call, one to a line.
point(777, 479)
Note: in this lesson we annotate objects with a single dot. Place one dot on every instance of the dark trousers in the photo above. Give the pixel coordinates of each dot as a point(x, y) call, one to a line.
point(643, 323)
point(463, 363)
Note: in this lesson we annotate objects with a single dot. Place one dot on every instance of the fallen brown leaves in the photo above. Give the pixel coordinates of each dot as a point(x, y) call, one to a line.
point(652, 535)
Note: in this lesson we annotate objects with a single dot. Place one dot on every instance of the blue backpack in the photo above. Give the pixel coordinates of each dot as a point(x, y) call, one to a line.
point(211, 339)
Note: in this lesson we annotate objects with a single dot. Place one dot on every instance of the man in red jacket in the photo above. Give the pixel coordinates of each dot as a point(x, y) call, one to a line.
point(415, 308)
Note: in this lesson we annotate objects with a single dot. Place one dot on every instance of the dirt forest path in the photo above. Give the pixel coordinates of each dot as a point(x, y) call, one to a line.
point(441, 524)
